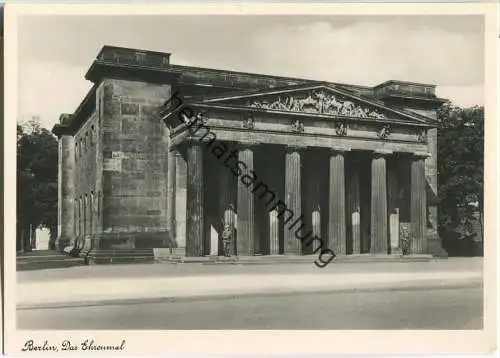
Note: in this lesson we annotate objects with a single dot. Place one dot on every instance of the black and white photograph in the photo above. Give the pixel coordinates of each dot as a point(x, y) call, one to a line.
point(202, 171)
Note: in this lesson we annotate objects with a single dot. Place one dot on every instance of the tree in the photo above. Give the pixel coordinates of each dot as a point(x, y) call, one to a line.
point(461, 173)
point(37, 157)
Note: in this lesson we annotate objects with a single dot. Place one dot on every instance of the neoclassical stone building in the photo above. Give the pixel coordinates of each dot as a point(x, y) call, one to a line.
point(158, 153)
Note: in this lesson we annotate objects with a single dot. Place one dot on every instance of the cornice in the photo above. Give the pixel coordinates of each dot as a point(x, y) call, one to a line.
point(104, 69)
point(155, 67)
point(81, 114)
point(61, 129)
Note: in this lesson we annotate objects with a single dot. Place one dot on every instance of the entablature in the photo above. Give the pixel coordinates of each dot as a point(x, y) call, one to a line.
point(245, 131)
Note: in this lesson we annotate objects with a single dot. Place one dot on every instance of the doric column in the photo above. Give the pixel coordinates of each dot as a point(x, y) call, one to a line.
point(393, 205)
point(309, 180)
point(354, 208)
point(194, 204)
point(246, 217)
point(171, 188)
point(365, 203)
point(292, 201)
point(336, 213)
point(379, 233)
point(274, 232)
point(418, 243)
point(66, 192)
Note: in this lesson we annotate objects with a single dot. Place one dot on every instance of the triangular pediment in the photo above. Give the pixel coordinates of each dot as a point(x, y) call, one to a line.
point(324, 100)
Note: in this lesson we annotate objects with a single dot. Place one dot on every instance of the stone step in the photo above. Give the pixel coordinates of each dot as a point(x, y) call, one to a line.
point(42, 258)
point(26, 265)
point(285, 259)
point(120, 256)
point(435, 248)
point(105, 260)
point(121, 253)
point(45, 259)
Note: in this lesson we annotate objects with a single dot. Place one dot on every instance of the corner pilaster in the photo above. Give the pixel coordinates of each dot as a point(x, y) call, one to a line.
point(354, 207)
point(418, 244)
point(66, 193)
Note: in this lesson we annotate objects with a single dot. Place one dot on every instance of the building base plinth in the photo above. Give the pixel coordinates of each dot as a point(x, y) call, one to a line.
point(435, 248)
point(63, 242)
point(119, 256)
point(108, 248)
point(290, 259)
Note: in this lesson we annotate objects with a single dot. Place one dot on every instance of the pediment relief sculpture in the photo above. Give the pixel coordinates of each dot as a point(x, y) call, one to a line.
point(317, 102)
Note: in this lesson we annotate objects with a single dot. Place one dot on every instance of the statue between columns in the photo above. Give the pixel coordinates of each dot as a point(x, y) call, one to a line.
point(226, 240)
point(229, 222)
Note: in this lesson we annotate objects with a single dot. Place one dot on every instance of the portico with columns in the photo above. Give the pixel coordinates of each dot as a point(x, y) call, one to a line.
point(163, 156)
point(349, 169)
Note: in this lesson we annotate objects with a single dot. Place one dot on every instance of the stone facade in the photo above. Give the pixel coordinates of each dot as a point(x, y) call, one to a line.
point(134, 162)
point(134, 177)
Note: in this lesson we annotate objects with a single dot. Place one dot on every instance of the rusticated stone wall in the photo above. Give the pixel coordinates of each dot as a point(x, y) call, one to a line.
point(86, 192)
point(134, 164)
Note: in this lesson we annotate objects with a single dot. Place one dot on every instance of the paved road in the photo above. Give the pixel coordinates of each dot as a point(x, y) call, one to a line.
point(171, 270)
point(446, 308)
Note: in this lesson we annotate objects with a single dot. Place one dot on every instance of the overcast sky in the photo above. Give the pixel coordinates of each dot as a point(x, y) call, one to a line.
point(56, 51)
